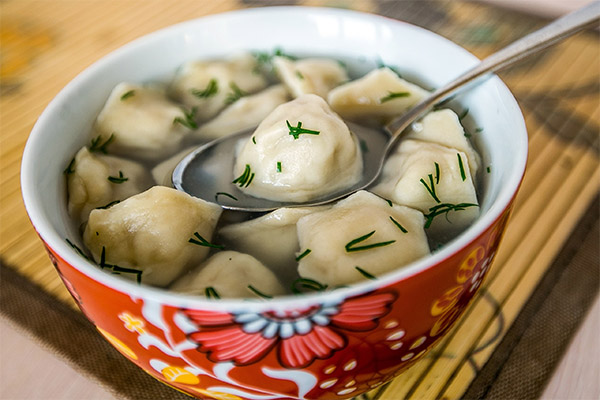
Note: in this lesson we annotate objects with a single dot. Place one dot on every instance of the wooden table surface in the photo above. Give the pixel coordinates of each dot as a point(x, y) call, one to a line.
point(30, 371)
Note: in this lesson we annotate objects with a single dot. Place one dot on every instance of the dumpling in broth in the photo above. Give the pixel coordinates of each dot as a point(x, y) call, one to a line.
point(430, 177)
point(230, 274)
point(363, 232)
point(245, 113)
point(95, 180)
point(209, 86)
point(377, 97)
point(160, 232)
point(310, 75)
point(140, 120)
point(301, 151)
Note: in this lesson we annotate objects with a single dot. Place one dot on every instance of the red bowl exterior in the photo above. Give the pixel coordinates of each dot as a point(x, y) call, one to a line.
point(327, 351)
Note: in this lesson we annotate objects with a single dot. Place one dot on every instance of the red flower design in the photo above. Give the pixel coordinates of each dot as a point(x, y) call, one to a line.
point(299, 336)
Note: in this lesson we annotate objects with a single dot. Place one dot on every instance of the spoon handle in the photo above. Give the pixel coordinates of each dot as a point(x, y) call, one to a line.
point(532, 43)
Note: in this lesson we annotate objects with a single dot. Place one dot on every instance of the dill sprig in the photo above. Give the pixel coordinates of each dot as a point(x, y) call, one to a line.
point(98, 147)
point(351, 245)
point(245, 178)
point(78, 250)
point(463, 175)
point(393, 95)
point(437, 173)
point(403, 229)
point(308, 285)
point(259, 293)
point(117, 270)
point(381, 64)
point(463, 114)
point(430, 188)
point(278, 166)
point(366, 274)
point(118, 179)
point(299, 75)
point(200, 241)
point(445, 208)
point(226, 195)
point(70, 168)
point(210, 90)
point(112, 203)
point(298, 130)
point(304, 254)
point(211, 293)
point(127, 95)
point(235, 94)
point(188, 120)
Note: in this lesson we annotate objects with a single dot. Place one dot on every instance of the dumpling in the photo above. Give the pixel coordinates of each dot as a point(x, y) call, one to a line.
point(271, 238)
point(378, 96)
point(246, 113)
point(163, 172)
point(301, 151)
point(140, 121)
point(96, 180)
point(362, 234)
point(443, 127)
point(431, 178)
point(229, 274)
point(209, 86)
point(160, 232)
point(310, 75)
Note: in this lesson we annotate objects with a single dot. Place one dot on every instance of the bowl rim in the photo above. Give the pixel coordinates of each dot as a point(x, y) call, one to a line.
point(51, 238)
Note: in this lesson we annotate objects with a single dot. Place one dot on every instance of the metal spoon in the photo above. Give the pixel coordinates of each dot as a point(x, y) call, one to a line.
point(207, 172)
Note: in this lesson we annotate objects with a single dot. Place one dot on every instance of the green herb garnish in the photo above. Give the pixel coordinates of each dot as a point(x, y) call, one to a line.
point(78, 250)
point(488, 169)
point(365, 273)
point(389, 202)
point(430, 188)
point(98, 147)
point(299, 75)
point(253, 140)
point(445, 208)
point(235, 94)
point(363, 146)
point(127, 95)
point(463, 175)
point(112, 203)
point(278, 166)
point(211, 293)
point(298, 130)
point(70, 168)
point(211, 89)
point(393, 95)
point(304, 254)
point(463, 115)
point(478, 130)
point(245, 178)
point(403, 229)
point(118, 179)
point(350, 246)
point(200, 241)
point(381, 64)
point(309, 284)
point(259, 293)
point(226, 195)
point(437, 173)
point(188, 120)
point(117, 269)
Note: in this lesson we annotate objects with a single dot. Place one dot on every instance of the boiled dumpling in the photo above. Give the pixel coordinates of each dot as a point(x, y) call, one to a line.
point(230, 274)
point(271, 238)
point(163, 172)
point(310, 75)
point(377, 96)
point(430, 177)
point(96, 180)
point(209, 86)
point(443, 127)
point(361, 233)
point(246, 113)
point(301, 151)
point(159, 232)
point(142, 121)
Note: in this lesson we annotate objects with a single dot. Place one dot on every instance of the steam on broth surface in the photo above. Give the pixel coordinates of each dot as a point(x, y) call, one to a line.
point(136, 224)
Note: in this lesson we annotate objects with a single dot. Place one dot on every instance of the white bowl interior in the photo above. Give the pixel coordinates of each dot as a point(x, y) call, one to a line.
point(430, 60)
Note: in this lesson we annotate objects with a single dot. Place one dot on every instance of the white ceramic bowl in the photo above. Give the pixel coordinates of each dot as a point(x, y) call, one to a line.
point(350, 358)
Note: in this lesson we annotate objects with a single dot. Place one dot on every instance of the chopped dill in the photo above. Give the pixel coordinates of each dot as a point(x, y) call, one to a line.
point(394, 95)
point(463, 175)
point(478, 130)
point(127, 95)
point(226, 195)
point(278, 166)
point(366, 274)
point(381, 64)
point(117, 270)
point(188, 120)
point(308, 284)
point(253, 139)
point(211, 89)
point(211, 293)
point(298, 130)
point(445, 208)
point(245, 178)
point(98, 147)
point(488, 169)
point(403, 229)
point(463, 115)
point(437, 173)
point(112, 203)
point(351, 245)
point(235, 94)
point(259, 293)
point(78, 250)
point(363, 146)
point(118, 179)
point(431, 189)
point(299, 75)
point(304, 254)
point(70, 168)
point(200, 241)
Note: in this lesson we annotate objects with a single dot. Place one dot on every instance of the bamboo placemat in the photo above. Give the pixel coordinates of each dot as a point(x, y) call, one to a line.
point(45, 44)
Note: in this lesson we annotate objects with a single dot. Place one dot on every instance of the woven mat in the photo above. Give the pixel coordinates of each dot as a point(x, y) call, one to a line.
point(545, 274)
